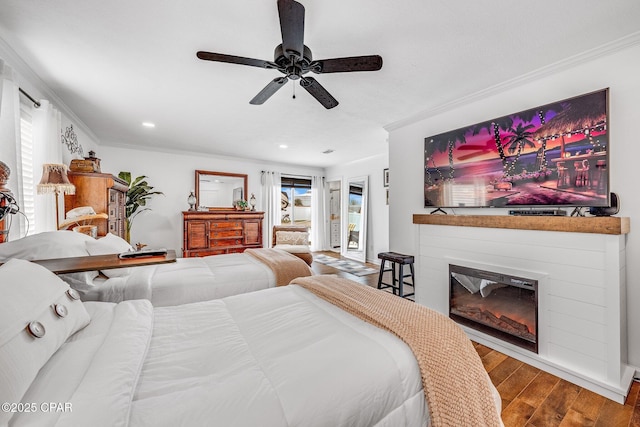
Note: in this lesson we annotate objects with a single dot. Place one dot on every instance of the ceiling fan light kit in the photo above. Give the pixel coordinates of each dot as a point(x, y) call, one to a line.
point(293, 59)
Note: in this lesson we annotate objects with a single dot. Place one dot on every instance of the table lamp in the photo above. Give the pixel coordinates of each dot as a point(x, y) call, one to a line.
point(55, 180)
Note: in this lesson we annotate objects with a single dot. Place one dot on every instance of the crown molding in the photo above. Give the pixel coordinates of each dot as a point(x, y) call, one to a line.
point(217, 156)
point(32, 82)
point(570, 62)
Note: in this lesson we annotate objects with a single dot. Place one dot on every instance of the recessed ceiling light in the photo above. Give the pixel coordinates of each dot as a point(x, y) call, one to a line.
point(283, 146)
point(148, 124)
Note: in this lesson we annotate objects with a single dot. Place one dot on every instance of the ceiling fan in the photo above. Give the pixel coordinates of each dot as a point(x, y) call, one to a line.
point(293, 59)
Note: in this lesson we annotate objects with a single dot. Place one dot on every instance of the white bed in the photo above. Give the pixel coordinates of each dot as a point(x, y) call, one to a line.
point(185, 281)
point(277, 357)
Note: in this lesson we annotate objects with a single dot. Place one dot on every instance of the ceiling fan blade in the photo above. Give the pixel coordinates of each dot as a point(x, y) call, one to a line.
point(292, 27)
point(268, 90)
point(231, 59)
point(342, 65)
point(318, 92)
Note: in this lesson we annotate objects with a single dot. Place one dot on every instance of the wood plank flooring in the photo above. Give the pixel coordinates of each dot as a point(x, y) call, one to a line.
point(531, 397)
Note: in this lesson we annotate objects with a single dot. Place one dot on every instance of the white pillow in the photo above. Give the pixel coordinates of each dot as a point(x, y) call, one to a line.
point(82, 281)
point(31, 293)
point(52, 244)
point(292, 238)
point(47, 245)
point(110, 244)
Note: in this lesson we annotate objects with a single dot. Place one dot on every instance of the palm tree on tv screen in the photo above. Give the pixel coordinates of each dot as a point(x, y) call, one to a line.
point(518, 140)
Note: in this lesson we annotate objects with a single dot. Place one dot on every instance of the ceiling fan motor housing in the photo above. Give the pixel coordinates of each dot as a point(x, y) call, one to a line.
point(290, 63)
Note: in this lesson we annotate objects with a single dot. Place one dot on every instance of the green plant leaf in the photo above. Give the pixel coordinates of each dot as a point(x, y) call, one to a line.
point(125, 176)
point(136, 182)
point(137, 196)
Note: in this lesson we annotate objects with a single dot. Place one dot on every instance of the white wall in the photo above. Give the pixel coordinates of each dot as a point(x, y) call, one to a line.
point(618, 70)
point(29, 81)
point(378, 217)
point(87, 141)
point(173, 173)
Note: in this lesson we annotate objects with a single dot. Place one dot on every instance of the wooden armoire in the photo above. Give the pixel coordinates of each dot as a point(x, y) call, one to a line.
point(105, 193)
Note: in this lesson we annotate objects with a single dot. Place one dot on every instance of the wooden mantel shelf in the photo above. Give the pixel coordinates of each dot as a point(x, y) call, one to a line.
point(597, 225)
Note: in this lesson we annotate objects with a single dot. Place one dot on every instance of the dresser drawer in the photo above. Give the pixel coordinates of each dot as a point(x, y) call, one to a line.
point(115, 227)
point(225, 234)
point(235, 250)
point(114, 213)
point(225, 225)
point(199, 254)
point(225, 242)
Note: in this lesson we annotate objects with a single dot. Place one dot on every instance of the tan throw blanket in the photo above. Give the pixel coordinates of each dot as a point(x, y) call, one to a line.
point(285, 266)
point(455, 382)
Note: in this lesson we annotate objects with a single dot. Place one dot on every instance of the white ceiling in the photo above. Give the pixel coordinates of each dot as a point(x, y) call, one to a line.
point(118, 63)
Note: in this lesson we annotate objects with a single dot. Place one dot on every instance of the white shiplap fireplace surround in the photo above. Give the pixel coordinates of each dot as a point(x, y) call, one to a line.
point(580, 267)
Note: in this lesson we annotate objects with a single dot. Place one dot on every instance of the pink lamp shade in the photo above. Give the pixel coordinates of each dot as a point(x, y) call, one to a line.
point(55, 180)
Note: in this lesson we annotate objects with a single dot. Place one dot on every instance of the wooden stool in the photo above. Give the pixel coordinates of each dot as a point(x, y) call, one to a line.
point(397, 281)
point(583, 175)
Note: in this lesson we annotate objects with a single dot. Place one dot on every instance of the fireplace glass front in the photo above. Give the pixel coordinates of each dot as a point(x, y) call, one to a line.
point(497, 304)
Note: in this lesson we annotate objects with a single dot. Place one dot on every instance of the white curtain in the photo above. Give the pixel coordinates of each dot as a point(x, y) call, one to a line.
point(318, 214)
point(10, 140)
point(271, 203)
point(47, 148)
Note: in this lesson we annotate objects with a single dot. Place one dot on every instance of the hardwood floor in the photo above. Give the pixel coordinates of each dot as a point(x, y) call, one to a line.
point(534, 398)
point(531, 397)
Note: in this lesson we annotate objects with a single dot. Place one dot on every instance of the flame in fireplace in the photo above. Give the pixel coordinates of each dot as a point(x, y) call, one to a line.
point(508, 309)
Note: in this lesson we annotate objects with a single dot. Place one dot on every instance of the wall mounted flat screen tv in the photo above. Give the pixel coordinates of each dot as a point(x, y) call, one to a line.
point(553, 155)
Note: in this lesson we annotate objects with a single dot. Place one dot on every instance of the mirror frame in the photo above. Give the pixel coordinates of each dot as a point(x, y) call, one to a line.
point(359, 254)
point(200, 173)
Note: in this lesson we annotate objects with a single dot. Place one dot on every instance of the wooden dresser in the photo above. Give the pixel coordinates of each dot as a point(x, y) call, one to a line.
point(220, 232)
point(105, 193)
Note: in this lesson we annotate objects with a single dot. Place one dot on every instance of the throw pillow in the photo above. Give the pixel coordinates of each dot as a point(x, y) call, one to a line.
point(52, 244)
point(292, 238)
point(40, 313)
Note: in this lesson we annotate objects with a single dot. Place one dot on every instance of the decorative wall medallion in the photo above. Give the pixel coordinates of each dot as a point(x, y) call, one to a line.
point(70, 138)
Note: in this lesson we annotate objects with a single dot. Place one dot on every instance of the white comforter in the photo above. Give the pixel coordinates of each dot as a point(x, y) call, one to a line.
point(187, 280)
point(279, 357)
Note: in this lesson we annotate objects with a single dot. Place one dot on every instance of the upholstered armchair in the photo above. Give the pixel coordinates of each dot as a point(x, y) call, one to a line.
point(293, 239)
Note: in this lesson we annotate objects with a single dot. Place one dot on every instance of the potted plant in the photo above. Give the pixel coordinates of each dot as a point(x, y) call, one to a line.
point(242, 205)
point(139, 192)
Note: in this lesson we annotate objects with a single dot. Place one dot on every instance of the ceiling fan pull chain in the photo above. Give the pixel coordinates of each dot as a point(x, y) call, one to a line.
point(294, 91)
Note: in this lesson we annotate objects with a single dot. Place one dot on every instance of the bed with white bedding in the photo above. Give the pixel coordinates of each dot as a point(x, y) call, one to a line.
point(277, 357)
point(185, 281)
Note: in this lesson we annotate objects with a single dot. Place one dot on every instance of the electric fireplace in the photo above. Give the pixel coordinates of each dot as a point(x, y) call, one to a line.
point(497, 304)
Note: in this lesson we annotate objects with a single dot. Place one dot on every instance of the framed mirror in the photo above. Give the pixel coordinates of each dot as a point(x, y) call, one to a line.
point(354, 224)
point(220, 190)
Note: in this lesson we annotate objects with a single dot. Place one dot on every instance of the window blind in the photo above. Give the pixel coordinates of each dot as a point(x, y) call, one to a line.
point(28, 185)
